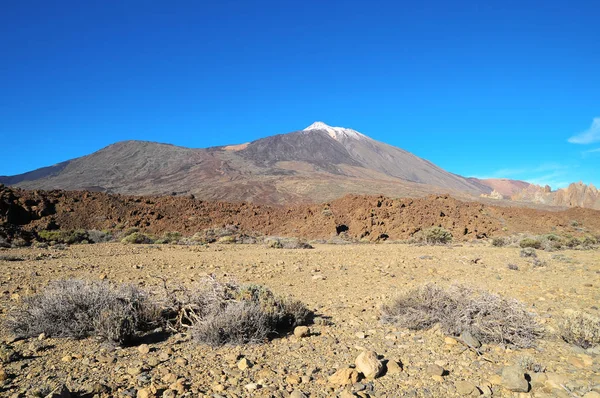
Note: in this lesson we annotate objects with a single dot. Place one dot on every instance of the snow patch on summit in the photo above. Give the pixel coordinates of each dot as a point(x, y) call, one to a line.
point(337, 133)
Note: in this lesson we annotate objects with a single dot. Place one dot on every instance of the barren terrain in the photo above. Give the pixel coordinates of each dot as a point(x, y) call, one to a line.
point(345, 285)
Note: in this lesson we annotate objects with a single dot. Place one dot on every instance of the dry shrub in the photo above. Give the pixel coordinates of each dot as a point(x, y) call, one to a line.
point(457, 309)
point(529, 364)
point(9, 257)
point(77, 308)
point(434, 236)
point(96, 236)
point(226, 313)
point(528, 252)
point(287, 243)
point(499, 242)
point(529, 242)
point(238, 323)
point(581, 329)
point(169, 237)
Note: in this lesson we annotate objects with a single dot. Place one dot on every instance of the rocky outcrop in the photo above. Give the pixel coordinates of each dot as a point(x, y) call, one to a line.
point(575, 195)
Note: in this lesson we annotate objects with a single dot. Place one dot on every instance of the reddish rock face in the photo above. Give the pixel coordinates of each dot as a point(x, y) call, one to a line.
point(371, 218)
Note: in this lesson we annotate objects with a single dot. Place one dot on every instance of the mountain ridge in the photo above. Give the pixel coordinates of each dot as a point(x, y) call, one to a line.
point(316, 164)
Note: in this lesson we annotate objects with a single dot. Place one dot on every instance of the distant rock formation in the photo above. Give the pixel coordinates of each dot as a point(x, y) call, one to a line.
point(575, 195)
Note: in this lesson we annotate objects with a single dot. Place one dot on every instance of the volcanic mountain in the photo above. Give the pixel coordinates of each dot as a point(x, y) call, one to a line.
point(316, 164)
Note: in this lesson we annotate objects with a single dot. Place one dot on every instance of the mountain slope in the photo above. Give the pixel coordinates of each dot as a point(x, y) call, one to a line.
point(319, 163)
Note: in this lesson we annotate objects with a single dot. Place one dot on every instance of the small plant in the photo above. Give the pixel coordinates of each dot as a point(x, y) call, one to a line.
point(528, 252)
point(95, 236)
point(67, 237)
point(226, 313)
point(513, 267)
point(168, 237)
point(581, 329)
point(529, 364)
point(129, 231)
point(458, 309)
point(537, 263)
point(78, 309)
point(287, 243)
point(434, 236)
point(137, 238)
point(498, 242)
point(530, 243)
point(9, 257)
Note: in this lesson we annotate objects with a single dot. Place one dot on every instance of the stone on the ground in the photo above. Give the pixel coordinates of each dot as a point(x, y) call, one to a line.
point(368, 364)
point(465, 387)
point(144, 349)
point(344, 376)
point(393, 368)
point(470, 340)
point(244, 364)
point(435, 370)
point(513, 379)
point(301, 331)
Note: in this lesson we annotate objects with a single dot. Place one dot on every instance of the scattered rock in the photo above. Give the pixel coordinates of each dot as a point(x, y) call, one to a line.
point(513, 379)
point(368, 364)
point(252, 386)
point(301, 331)
point(465, 387)
point(297, 394)
point(144, 349)
point(145, 393)
point(244, 364)
point(393, 368)
point(435, 370)
point(469, 340)
point(344, 376)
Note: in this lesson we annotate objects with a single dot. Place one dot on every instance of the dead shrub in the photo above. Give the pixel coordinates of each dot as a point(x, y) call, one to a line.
point(9, 257)
point(581, 329)
point(238, 323)
point(457, 309)
point(529, 364)
point(226, 313)
point(77, 308)
point(287, 243)
point(528, 252)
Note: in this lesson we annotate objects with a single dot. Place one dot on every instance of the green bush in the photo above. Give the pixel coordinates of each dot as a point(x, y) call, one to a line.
point(434, 236)
point(169, 237)
point(137, 238)
point(69, 237)
point(528, 242)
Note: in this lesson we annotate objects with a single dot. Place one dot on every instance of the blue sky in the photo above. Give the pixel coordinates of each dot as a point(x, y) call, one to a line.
point(481, 88)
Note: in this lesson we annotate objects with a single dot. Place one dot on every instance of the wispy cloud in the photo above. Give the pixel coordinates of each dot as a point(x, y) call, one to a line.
point(589, 136)
point(553, 174)
point(593, 151)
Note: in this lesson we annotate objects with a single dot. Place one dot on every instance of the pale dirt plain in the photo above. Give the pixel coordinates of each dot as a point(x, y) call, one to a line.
point(345, 286)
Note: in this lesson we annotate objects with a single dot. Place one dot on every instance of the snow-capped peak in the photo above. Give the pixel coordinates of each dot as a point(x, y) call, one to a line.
point(335, 132)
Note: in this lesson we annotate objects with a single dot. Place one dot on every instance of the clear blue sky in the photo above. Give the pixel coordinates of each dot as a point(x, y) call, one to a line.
point(484, 88)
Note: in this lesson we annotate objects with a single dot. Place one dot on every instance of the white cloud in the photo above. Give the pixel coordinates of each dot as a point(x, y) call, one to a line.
point(589, 136)
point(554, 174)
point(593, 150)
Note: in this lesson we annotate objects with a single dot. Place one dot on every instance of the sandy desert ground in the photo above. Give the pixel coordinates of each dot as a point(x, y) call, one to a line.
point(345, 286)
